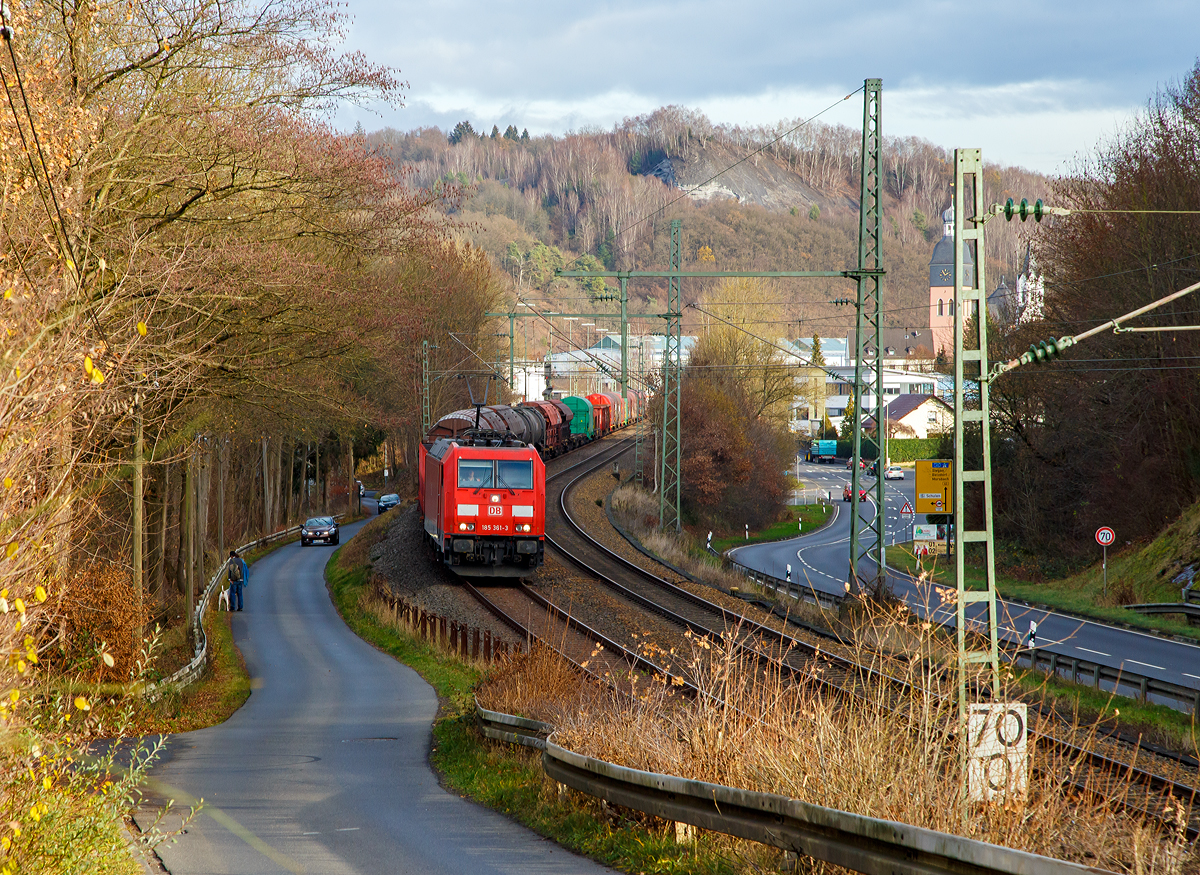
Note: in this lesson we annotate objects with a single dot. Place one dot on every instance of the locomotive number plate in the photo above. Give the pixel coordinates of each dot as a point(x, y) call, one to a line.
point(495, 510)
point(498, 527)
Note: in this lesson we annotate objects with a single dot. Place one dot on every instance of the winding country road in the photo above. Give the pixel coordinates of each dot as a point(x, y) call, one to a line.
point(326, 765)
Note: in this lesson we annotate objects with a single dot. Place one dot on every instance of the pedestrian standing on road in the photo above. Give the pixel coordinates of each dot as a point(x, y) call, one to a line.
point(238, 573)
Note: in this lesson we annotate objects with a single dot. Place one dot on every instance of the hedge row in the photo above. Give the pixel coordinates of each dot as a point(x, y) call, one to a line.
point(903, 449)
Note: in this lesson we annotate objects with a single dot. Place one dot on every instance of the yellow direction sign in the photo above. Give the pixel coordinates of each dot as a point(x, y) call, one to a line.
point(934, 482)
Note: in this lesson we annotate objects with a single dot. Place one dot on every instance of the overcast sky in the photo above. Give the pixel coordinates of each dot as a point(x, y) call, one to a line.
point(1031, 83)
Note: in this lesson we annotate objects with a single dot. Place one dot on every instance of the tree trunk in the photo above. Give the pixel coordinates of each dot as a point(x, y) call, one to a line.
point(139, 522)
point(266, 490)
point(203, 495)
point(222, 467)
point(351, 492)
point(164, 513)
point(291, 483)
point(187, 538)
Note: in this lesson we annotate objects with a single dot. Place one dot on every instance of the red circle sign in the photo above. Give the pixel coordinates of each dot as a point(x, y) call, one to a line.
point(1105, 536)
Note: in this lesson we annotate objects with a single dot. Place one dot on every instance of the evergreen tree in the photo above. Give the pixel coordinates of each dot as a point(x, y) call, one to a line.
point(814, 212)
point(525, 135)
point(848, 421)
point(495, 132)
point(510, 133)
point(818, 357)
point(461, 131)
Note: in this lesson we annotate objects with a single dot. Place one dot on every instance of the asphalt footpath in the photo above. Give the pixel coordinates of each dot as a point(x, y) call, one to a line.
point(325, 769)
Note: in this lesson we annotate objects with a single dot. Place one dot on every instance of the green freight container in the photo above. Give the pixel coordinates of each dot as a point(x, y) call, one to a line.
point(581, 422)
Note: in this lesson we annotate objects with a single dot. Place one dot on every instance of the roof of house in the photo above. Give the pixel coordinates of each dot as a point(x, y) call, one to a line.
point(902, 405)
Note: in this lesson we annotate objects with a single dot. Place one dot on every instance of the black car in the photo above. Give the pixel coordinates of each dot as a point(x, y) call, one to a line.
point(387, 502)
point(320, 528)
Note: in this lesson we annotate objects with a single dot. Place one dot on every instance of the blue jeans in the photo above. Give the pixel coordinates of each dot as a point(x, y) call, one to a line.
point(235, 596)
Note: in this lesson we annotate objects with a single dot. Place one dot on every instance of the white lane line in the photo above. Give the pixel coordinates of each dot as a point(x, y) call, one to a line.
point(310, 833)
point(348, 829)
point(1148, 665)
point(1196, 676)
point(1089, 650)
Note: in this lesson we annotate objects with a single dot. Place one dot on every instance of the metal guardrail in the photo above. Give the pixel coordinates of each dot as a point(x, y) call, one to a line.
point(499, 726)
point(864, 844)
point(1191, 611)
point(792, 589)
point(193, 669)
point(1122, 683)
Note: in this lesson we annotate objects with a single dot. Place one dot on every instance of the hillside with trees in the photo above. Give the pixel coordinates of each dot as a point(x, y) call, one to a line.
point(788, 201)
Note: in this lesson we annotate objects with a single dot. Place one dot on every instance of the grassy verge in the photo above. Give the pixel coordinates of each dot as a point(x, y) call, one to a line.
point(1078, 594)
point(505, 778)
point(809, 516)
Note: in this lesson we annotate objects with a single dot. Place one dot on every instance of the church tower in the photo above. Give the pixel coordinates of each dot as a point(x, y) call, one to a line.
point(941, 285)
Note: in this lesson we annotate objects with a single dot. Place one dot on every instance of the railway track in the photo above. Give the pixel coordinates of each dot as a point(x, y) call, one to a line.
point(1103, 773)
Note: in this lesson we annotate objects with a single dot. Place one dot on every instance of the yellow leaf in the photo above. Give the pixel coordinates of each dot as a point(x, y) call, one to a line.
point(8, 483)
point(142, 328)
point(8, 293)
point(108, 660)
point(10, 550)
point(40, 594)
point(82, 704)
point(19, 605)
point(97, 376)
point(87, 364)
point(14, 695)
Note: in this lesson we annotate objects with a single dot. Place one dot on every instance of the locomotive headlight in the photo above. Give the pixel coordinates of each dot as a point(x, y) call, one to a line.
point(495, 498)
point(462, 527)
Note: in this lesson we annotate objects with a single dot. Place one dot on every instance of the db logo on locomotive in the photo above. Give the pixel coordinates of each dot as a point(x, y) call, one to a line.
point(495, 510)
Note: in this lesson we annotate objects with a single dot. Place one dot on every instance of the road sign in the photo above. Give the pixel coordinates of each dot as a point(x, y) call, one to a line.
point(1104, 537)
point(998, 752)
point(934, 478)
point(907, 510)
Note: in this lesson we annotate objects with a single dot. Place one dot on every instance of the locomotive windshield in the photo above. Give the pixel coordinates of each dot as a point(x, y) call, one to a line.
point(474, 473)
point(514, 474)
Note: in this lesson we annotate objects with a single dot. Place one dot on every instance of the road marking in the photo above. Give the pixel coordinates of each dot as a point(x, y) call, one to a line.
point(1148, 665)
point(310, 833)
point(347, 829)
point(1089, 650)
point(1196, 676)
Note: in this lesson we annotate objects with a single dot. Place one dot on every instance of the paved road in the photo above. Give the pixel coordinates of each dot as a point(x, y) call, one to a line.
point(822, 561)
point(327, 762)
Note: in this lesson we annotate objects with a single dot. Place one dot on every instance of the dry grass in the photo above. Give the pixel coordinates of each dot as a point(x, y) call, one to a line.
point(883, 755)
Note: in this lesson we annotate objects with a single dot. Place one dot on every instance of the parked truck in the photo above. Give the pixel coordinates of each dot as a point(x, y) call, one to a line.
point(822, 451)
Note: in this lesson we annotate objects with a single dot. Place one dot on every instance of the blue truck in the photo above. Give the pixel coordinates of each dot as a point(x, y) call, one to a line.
point(822, 451)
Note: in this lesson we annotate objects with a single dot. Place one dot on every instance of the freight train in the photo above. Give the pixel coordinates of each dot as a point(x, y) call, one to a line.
point(482, 477)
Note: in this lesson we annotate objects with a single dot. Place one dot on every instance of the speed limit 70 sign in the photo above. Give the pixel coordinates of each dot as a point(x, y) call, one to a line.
point(1105, 536)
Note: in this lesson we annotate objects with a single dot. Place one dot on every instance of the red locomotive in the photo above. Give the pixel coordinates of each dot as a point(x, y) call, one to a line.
point(483, 498)
point(481, 482)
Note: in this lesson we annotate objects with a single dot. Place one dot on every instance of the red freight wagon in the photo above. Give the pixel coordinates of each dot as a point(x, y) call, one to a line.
point(619, 414)
point(558, 432)
point(484, 506)
point(602, 413)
